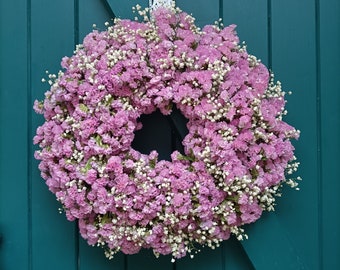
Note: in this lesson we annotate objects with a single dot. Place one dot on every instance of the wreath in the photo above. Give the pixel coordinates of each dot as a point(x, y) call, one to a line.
point(237, 152)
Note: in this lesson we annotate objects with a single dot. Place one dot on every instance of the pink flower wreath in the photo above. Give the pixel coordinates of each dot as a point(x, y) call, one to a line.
point(237, 150)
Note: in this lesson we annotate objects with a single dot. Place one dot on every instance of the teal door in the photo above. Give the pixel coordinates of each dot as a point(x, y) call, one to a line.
point(299, 40)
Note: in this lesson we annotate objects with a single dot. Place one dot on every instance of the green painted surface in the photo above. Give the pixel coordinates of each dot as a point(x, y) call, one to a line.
point(329, 113)
point(14, 144)
point(51, 36)
point(299, 39)
point(294, 61)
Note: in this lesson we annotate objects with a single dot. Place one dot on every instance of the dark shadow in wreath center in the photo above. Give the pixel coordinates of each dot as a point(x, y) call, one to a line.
point(163, 133)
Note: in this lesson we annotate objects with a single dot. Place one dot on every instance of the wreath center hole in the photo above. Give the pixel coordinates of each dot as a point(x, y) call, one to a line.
point(163, 133)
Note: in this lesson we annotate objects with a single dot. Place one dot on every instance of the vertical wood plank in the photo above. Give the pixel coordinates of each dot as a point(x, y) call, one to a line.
point(329, 93)
point(294, 64)
point(53, 238)
point(205, 12)
point(124, 11)
point(251, 18)
point(93, 12)
point(14, 219)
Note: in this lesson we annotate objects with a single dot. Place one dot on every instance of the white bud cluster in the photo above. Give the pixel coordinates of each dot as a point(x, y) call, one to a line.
point(274, 89)
point(114, 56)
point(253, 61)
point(239, 233)
point(88, 63)
point(227, 134)
point(219, 110)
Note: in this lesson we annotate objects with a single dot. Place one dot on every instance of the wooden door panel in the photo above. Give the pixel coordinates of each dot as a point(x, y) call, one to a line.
point(298, 210)
point(204, 12)
point(124, 10)
point(90, 258)
point(235, 256)
point(270, 244)
point(329, 132)
point(14, 145)
point(205, 259)
point(146, 259)
point(299, 40)
point(53, 238)
point(251, 18)
point(92, 12)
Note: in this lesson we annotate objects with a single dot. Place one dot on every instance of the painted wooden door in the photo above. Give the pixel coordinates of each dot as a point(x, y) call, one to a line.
point(299, 40)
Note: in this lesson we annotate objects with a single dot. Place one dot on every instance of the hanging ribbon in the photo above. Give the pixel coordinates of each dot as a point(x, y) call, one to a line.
point(154, 4)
